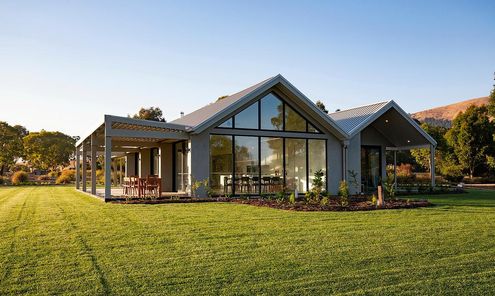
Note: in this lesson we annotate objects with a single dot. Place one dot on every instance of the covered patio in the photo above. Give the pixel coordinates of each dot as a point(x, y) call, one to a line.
point(133, 148)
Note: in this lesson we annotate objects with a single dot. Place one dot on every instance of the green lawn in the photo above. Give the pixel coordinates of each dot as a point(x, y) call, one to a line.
point(55, 240)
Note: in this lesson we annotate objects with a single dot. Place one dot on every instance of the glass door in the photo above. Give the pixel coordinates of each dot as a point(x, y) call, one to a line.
point(181, 167)
point(371, 167)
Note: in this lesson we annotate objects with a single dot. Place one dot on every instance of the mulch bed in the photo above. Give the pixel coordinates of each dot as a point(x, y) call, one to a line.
point(163, 200)
point(354, 205)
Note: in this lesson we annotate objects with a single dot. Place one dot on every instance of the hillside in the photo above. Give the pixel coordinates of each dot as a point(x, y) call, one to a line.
point(445, 114)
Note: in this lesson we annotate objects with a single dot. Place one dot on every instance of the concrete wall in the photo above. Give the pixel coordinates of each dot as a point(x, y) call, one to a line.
point(130, 160)
point(144, 162)
point(166, 154)
point(354, 162)
point(199, 158)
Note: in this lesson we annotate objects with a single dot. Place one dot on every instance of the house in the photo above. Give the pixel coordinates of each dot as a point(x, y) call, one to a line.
point(267, 137)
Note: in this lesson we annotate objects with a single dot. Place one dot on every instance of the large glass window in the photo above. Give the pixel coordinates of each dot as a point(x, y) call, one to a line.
point(247, 118)
point(221, 164)
point(294, 121)
point(272, 164)
point(317, 160)
point(295, 164)
point(271, 113)
point(227, 123)
point(246, 165)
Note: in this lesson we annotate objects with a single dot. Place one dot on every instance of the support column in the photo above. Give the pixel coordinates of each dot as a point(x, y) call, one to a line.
point(78, 169)
point(84, 169)
point(93, 164)
point(432, 165)
point(395, 169)
point(108, 161)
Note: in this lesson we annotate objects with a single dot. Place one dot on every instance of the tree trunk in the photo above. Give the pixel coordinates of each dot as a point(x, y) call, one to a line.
point(1, 169)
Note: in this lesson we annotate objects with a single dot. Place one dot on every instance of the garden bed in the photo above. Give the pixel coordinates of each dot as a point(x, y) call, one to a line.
point(358, 204)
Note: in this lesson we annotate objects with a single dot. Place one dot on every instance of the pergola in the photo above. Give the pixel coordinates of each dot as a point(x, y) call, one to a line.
point(119, 136)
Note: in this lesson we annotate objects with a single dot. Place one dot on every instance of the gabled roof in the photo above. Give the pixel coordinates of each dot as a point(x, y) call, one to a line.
point(354, 120)
point(351, 119)
point(195, 118)
point(203, 118)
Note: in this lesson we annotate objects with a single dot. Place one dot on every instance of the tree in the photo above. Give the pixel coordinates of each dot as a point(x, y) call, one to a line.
point(471, 137)
point(422, 156)
point(47, 150)
point(320, 105)
point(151, 113)
point(491, 102)
point(11, 147)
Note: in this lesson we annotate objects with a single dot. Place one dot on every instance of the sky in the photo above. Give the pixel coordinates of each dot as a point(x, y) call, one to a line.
point(64, 64)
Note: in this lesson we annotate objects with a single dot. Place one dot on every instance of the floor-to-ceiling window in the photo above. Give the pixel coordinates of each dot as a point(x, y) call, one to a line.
point(221, 158)
point(246, 164)
point(272, 164)
point(370, 167)
point(155, 161)
point(295, 164)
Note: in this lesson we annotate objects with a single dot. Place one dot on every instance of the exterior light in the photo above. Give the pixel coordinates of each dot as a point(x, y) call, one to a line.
point(408, 141)
point(386, 120)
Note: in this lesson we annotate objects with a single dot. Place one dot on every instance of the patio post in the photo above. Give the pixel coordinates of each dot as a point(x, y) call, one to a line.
point(432, 165)
point(93, 164)
point(84, 154)
point(395, 169)
point(78, 169)
point(108, 160)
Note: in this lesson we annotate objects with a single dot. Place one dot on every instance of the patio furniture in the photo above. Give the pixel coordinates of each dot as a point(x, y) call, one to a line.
point(126, 186)
point(245, 184)
point(227, 182)
point(152, 186)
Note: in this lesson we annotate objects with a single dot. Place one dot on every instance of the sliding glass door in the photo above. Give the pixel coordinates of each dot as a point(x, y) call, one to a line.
point(371, 167)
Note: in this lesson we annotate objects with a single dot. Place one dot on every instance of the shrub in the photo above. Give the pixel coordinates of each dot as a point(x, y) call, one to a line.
point(325, 201)
point(344, 193)
point(3, 180)
point(19, 177)
point(292, 198)
point(54, 174)
point(66, 177)
point(44, 178)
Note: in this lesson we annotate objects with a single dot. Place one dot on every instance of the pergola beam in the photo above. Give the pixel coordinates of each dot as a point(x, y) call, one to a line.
point(94, 146)
point(108, 160)
point(159, 135)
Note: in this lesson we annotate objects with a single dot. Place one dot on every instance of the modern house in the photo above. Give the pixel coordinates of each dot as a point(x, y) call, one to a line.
point(267, 137)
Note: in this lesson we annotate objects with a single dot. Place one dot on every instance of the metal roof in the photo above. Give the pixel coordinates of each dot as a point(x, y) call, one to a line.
point(351, 119)
point(203, 114)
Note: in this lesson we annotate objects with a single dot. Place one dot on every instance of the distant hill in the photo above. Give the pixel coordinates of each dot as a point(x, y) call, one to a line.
point(444, 115)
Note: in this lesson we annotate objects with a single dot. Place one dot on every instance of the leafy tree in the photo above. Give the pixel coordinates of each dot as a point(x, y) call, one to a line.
point(151, 113)
point(471, 137)
point(11, 147)
point(47, 150)
point(491, 102)
point(422, 156)
point(320, 105)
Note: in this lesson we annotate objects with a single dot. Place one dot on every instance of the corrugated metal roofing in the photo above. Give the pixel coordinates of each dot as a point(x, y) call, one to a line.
point(351, 119)
point(199, 116)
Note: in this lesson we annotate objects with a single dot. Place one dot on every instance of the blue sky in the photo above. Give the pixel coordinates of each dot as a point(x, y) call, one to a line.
point(63, 64)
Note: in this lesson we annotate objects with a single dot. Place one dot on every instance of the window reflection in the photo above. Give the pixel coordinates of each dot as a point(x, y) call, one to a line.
point(248, 118)
point(221, 164)
point(295, 164)
point(271, 113)
point(271, 164)
point(246, 165)
point(294, 121)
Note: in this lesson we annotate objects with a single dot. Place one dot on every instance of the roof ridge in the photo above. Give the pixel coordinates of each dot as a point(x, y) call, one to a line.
point(361, 106)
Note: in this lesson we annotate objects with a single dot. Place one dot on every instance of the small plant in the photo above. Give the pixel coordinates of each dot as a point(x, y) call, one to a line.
point(374, 199)
point(280, 196)
point(310, 196)
point(389, 187)
point(325, 201)
point(20, 177)
point(344, 193)
point(292, 198)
